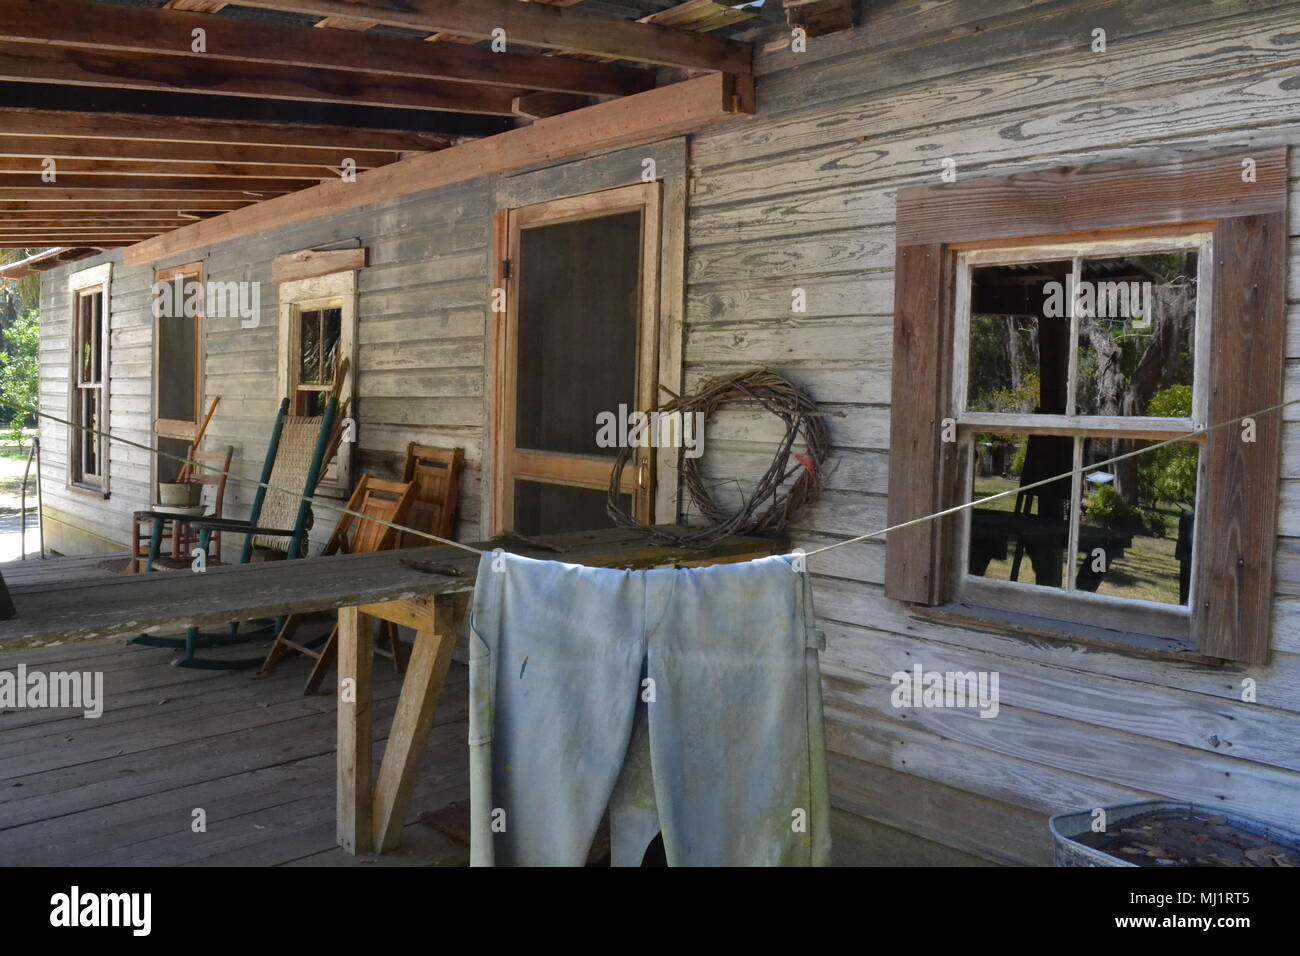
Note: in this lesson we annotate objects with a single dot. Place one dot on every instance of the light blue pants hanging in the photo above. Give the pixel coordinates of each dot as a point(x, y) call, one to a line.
point(684, 701)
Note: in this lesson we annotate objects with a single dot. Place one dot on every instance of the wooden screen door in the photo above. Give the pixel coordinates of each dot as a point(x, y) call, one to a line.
point(177, 375)
point(578, 337)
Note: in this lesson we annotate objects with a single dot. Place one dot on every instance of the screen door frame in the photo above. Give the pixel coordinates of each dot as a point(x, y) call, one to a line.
point(171, 427)
point(591, 472)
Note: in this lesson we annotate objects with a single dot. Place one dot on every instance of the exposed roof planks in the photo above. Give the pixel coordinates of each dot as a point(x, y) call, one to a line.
point(645, 118)
point(536, 25)
point(41, 261)
point(78, 23)
point(166, 129)
point(147, 133)
point(212, 76)
point(135, 150)
point(152, 168)
point(83, 181)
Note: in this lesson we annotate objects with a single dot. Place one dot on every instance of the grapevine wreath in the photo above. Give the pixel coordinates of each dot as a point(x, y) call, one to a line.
point(802, 418)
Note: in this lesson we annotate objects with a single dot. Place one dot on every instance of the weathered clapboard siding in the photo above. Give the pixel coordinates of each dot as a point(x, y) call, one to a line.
point(421, 316)
point(803, 196)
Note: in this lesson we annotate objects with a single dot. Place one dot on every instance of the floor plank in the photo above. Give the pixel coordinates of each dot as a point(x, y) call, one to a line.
point(256, 756)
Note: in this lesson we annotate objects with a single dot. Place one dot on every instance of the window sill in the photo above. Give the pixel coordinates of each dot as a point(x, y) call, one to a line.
point(90, 491)
point(1071, 632)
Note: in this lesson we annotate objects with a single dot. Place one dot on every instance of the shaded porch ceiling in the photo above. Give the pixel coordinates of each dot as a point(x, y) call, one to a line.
point(146, 135)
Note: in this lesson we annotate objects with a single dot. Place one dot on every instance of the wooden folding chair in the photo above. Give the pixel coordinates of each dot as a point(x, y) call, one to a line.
point(435, 472)
point(388, 501)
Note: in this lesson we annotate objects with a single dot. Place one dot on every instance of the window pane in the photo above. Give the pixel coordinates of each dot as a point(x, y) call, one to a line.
point(1018, 352)
point(579, 290)
point(168, 468)
point(89, 439)
point(177, 357)
point(96, 336)
point(309, 343)
point(331, 323)
point(1021, 537)
point(1138, 515)
point(85, 339)
point(553, 509)
point(1137, 316)
point(311, 403)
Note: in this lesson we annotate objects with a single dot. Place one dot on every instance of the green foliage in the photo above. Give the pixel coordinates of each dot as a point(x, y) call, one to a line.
point(1022, 399)
point(1169, 473)
point(1107, 509)
point(1018, 460)
point(20, 370)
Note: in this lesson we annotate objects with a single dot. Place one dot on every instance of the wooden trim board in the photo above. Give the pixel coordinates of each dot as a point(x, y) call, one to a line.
point(308, 264)
point(642, 118)
point(1103, 196)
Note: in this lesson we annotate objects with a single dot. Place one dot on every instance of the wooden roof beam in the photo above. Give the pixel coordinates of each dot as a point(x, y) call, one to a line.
point(59, 193)
point(20, 217)
point(645, 118)
point(197, 184)
point(30, 225)
point(67, 241)
point(819, 17)
point(138, 150)
point(209, 76)
point(144, 208)
point(92, 126)
point(137, 167)
point(537, 25)
point(77, 23)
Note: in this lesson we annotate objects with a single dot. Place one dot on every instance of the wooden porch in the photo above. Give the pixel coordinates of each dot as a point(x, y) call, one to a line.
point(280, 777)
point(255, 755)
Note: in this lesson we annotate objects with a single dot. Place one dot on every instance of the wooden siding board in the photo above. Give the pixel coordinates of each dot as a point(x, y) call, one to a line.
point(804, 194)
point(1235, 576)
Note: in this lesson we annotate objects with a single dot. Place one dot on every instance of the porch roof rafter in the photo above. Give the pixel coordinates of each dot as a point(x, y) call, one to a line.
point(131, 113)
point(79, 23)
point(538, 25)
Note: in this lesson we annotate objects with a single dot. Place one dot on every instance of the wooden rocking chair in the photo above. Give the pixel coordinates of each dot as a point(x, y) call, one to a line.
point(296, 457)
point(388, 501)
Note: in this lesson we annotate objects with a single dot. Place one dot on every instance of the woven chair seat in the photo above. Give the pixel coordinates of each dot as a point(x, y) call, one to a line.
point(292, 463)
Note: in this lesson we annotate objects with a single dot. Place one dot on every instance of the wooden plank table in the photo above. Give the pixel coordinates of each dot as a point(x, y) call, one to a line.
point(362, 588)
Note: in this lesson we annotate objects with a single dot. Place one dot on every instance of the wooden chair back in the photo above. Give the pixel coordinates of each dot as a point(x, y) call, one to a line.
point(211, 470)
point(435, 473)
point(389, 501)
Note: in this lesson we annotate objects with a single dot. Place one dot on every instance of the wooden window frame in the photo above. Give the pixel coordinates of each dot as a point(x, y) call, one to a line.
point(1240, 198)
point(97, 279)
point(511, 463)
point(1110, 611)
point(299, 295)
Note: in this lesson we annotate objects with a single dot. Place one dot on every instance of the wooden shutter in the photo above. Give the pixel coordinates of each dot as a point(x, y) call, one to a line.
point(922, 466)
point(1237, 537)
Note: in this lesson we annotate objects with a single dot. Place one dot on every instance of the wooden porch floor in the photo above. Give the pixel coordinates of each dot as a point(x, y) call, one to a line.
point(255, 755)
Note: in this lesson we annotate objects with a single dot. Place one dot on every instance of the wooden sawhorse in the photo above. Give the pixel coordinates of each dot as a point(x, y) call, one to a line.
point(371, 817)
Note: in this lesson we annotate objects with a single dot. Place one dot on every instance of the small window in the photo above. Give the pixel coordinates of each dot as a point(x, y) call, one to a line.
point(1070, 363)
point(1087, 374)
point(88, 447)
point(317, 334)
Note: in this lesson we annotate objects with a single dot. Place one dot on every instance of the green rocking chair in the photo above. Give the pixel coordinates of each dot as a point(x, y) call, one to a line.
point(278, 521)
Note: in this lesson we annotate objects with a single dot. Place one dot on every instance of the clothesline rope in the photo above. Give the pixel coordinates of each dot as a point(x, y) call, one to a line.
point(230, 476)
point(1047, 481)
point(857, 539)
